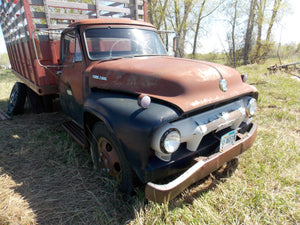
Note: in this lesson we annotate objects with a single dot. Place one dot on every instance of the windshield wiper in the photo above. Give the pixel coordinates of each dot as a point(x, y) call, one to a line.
point(147, 55)
point(126, 56)
point(115, 58)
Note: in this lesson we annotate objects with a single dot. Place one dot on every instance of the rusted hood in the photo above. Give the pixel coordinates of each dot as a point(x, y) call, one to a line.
point(189, 84)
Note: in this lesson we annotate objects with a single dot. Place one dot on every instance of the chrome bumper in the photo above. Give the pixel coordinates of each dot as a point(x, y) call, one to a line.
point(204, 166)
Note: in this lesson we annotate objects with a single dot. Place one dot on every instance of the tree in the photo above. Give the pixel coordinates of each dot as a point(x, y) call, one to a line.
point(203, 12)
point(179, 20)
point(276, 8)
point(197, 28)
point(157, 12)
point(261, 7)
point(233, 25)
point(249, 31)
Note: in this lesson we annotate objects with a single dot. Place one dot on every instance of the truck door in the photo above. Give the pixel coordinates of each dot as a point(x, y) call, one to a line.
point(71, 76)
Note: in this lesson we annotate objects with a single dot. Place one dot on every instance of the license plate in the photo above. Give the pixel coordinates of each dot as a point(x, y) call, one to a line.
point(228, 139)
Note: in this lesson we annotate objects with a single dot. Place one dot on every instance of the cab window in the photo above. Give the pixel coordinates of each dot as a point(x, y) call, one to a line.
point(71, 52)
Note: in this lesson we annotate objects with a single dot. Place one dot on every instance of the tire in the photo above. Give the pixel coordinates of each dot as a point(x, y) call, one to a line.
point(17, 99)
point(108, 157)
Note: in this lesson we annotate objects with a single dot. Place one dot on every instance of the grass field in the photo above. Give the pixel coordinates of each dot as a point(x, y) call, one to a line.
point(46, 178)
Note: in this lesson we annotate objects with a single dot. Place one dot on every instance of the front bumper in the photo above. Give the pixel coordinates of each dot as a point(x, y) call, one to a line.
point(204, 166)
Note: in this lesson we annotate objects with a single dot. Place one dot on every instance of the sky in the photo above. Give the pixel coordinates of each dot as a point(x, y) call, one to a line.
point(286, 31)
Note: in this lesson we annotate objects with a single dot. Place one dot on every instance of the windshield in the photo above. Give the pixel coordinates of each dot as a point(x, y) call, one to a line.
point(109, 43)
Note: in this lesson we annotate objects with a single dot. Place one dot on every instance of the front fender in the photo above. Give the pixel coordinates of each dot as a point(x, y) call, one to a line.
point(132, 125)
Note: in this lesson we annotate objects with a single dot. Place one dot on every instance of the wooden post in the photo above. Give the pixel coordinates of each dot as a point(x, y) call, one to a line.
point(97, 9)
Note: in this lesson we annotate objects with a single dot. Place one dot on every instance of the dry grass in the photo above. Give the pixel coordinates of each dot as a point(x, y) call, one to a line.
point(46, 178)
point(54, 176)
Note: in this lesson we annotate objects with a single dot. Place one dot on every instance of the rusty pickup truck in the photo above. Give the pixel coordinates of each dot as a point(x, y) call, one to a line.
point(140, 112)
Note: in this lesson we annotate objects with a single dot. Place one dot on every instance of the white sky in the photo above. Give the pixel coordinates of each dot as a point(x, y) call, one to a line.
point(286, 31)
point(288, 28)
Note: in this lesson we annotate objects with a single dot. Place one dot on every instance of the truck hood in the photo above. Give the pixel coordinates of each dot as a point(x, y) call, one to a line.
point(188, 84)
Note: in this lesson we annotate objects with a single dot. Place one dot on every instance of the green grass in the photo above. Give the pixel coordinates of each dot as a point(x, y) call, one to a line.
point(51, 177)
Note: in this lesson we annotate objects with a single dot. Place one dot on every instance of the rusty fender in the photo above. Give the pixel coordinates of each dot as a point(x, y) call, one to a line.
point(204, 166)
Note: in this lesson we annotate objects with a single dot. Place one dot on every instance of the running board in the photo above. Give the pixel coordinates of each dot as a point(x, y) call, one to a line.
point(4, 116)
point(75, 131)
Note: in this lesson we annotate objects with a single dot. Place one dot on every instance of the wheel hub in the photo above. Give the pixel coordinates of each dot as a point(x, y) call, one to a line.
point(108, 158)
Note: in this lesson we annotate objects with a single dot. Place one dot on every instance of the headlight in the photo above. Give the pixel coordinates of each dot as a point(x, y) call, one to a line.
point(251, 107)
point(170, 141)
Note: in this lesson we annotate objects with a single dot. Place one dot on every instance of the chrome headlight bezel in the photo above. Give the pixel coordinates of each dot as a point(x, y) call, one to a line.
point(170, 141)
point(251, 107)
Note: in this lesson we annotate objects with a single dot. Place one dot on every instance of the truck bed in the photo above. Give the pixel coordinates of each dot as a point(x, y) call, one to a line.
point(25, 21)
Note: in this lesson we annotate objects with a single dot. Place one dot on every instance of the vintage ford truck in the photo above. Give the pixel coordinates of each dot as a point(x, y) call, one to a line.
point(140, 112)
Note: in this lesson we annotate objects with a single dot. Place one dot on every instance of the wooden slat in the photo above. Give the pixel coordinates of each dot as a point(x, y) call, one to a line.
point(52, 26)
point(62, 3)
point(97, 9)
point(70, 16)
point(109, 14)
point(114, 9)
point(71, 5)
point(119, 1)
point(46, 9)
point(58, 26)
point(115, 4)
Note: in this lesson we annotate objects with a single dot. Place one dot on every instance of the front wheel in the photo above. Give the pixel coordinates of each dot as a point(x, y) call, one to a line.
point(108, 157)
point(17, 99)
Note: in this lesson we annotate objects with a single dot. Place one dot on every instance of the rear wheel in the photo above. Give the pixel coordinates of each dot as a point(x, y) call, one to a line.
point(17, 99)
point(108, 157)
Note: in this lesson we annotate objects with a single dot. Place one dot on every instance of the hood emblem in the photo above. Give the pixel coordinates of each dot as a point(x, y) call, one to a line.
point(223, 85)
point(98, 77)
